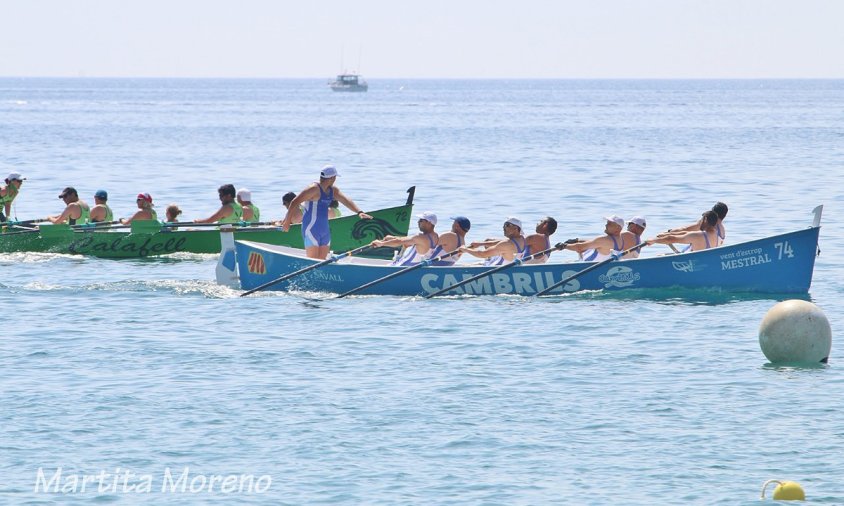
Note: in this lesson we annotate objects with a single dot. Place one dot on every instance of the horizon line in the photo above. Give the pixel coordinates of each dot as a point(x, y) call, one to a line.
point(498, 78)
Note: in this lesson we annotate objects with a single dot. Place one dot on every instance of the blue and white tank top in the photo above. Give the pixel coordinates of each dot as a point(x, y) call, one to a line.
point(635, 252)
point(438, 251)
point(499, 260)
point(315, 212)
point(593, 255)
point(411, 257)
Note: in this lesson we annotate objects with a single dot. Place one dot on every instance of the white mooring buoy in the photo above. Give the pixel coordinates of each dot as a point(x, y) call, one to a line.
point(795, 331)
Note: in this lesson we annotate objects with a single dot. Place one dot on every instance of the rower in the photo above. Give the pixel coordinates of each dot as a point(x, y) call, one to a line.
point(9, 192)
point(334, 210)
point(229, 212)
point(451, 241)
point(295, 214)
point(101, 212)
point(251, 213)
point(500, 251)
point(633, 236)
point(145, 211)
point(720, 209)
point(541, 240)
point(76, 211)
point(704, 238)
point(417, 248)
point(601, 248)
point(172, 213)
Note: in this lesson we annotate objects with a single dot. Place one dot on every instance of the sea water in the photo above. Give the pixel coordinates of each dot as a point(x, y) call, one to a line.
point(142, 381)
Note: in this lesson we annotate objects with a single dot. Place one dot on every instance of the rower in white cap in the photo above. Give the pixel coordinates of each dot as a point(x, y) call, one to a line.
point(601, 248)
point(501, 251)
point(417, 247)
point(9, 192)
point(633, 236)
point(251, 213)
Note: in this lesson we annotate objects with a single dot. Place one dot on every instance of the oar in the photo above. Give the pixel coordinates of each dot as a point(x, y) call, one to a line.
point(25, 222)
point(615, 256)
point(398, 273)
point(309, 268)
point(237, 224)
point(95, 224)
point(500, 268)
point(18, 232)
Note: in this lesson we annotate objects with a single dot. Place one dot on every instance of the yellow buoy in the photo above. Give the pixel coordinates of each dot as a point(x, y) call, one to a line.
point(785, 491)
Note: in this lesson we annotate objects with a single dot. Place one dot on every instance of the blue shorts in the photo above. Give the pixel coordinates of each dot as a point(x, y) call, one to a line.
point(315, 237)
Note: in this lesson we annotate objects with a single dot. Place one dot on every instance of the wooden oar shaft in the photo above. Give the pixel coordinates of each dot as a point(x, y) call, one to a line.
point(236, 224)
point(19, 232)
point(309, 268)
point(24, 222)
point(494, 270)
point(397, 274)
point(95, 225)
point(576, 275)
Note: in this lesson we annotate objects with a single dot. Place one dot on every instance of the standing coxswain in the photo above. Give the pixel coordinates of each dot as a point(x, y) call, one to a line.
point(316, 200)
point(9, 192)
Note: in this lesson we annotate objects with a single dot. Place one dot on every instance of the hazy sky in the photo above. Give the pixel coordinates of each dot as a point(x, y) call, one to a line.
point(431, 38)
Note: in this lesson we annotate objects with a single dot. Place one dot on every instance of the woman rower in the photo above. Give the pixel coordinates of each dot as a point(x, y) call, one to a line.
point(144, 212)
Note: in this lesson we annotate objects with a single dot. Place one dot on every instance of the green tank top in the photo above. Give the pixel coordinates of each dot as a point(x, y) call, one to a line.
point(109, 216)
point(11, 193)
point(256, 213)
point(236, 215)
point(84, 216)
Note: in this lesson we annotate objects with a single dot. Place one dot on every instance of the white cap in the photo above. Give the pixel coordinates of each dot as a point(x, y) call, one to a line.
point(428, 216)
point(245, 195)
point(328, 171)
point(618, 220)
point(514, 221)
point(15, 175)
point(638, 220)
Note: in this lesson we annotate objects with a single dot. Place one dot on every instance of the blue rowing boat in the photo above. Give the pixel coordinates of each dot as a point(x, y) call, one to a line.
point(777, 264)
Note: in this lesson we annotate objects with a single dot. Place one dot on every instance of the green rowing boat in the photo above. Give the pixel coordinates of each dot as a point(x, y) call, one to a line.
point(152, 238)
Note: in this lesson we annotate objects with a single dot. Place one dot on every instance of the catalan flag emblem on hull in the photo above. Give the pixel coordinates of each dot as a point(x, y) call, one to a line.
point(256, 264)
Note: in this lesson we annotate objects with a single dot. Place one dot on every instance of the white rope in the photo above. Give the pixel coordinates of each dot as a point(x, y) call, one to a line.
point(765, 485)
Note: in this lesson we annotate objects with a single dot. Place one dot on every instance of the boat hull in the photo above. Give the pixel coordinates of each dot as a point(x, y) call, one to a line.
point(777, 264)
point(347, 232)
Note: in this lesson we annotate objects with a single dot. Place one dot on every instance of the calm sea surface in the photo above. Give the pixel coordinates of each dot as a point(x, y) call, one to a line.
point(657, 397)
